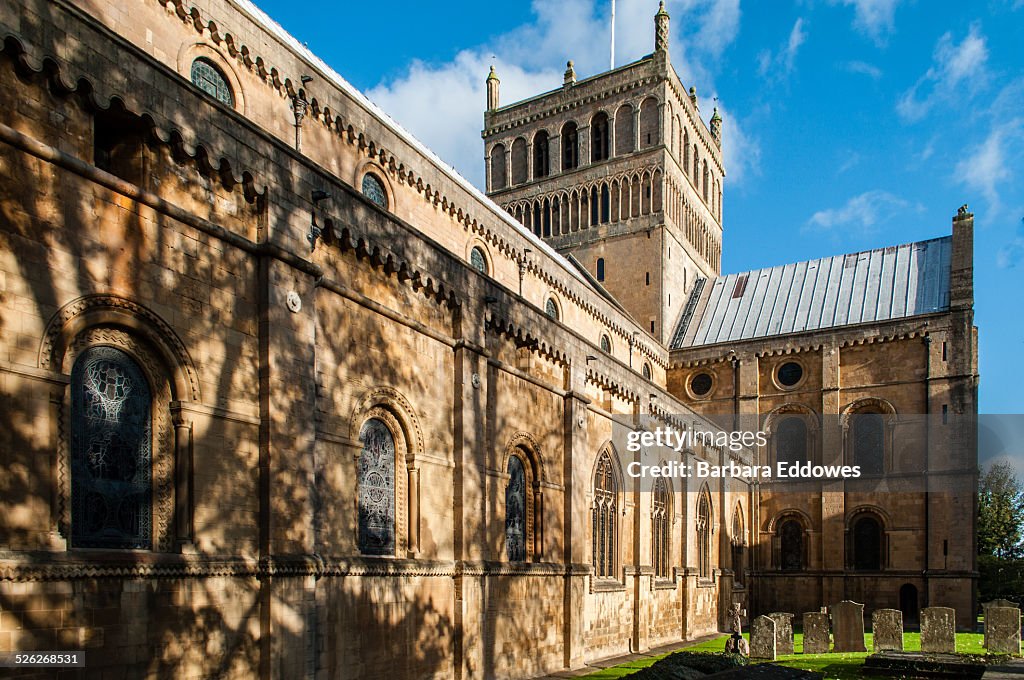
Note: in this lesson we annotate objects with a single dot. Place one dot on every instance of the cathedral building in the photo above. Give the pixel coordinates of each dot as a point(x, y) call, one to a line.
point(282, 395)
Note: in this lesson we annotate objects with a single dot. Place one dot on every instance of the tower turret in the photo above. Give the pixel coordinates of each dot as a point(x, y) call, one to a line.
point(661, 31)
point(493, 84)
point(716, 127)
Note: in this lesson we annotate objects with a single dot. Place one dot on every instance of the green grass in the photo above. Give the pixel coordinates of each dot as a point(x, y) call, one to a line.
point(841, 666)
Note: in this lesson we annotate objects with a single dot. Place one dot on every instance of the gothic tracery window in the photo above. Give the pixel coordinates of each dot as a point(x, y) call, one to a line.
point(661, 529)
point(111, 452)
point(210, 80)
point(604, 516)
point(377, 489)
point(704, 534)
point(515, 511)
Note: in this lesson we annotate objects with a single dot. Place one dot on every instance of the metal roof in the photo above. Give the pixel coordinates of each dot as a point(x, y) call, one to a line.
point(874, 285)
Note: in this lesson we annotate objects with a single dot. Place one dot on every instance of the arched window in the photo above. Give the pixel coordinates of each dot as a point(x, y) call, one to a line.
point(111, 452)
point(373, 189)
point(606, 200)
point(599, 137)
point(211, 80)
point(519, 163)
point(477, 259)
point(499, 180)
point(704, 187)
point(376, 483)
point(606, 343)
point(739, 546)
point(647, 370)
point(704, 533)
point(624, 137)
point(604, 517)
point(515, 510)
point(791, 545)
point(541, 165)
point(551, 308)
point(650, 134)
point(867, 544)
point(570, 146)
point(791, 440)
point(685, 155)
point(661, 528)
point(868, 437)
point(600, 269)
point(696, 167)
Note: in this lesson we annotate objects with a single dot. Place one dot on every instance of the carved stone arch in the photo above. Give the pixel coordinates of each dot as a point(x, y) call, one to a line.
point(370, 166)
point(868, 405)
point(790, 557)
point(876, 545)
point(772, 417)
point(204, 49)
point(782, 515)
point(527, 443)
point(95, 311)
point(401, 409)
point(868, 509)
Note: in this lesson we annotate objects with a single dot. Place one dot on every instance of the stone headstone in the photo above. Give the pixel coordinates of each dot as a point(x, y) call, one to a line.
point(736, 644)
point(783, 632)
point(736, 618)
point(762, 638)
point(938, 630)
point(816, 636)
point(995, 603)
point(887, 629)
point(1002, 630)
point(848, 627)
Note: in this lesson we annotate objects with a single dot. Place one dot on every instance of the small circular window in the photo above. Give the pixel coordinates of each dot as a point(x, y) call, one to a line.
point(790, 374)
point(373, 189)
point(701, 384)
point(210, 80)
point(606, 344)
point(477, 259)
point(551, 309)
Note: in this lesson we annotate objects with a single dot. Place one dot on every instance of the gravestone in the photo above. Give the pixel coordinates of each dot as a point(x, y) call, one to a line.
point(816, 636)
point(783, 632)
point(995, 603)
point(736, 644)
point(762, 638)
point(1002, 630)
point(887, 627)
point(848, 627)
point(938, 630)
point(736, 613)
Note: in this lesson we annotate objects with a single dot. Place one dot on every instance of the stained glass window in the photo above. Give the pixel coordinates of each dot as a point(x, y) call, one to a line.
point(111, 452)
point(704, 534)
point(868, 442)
point(661, 544)
point(551, 309)
point(210, 80)
point(791, 441)
point(791, 539)
point(515, 511)
point(605, 504)
point(477, 259)
point(377, 490)
point(373, 189)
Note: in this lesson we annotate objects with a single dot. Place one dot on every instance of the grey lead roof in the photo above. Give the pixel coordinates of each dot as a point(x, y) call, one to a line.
point(874, 285)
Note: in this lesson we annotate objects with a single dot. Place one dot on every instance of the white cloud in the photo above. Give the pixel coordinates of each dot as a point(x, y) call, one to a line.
point(988, 165)
point(863, 211)
point(877, 18)
point(442, 104)
point(782, 62)
point(1012, 254)
point(741, 152)
point(956, 68)
point(864, 68)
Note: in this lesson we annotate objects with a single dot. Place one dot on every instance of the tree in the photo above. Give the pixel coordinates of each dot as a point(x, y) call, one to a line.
point(1000, 512)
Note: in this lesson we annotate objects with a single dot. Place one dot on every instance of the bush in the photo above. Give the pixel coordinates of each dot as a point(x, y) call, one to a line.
point(689, 666)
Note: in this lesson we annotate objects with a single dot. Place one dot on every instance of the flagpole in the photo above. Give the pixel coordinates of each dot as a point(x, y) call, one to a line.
point(612, 61)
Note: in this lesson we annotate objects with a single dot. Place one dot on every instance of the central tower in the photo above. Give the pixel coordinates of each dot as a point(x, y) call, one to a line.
point(619, 172)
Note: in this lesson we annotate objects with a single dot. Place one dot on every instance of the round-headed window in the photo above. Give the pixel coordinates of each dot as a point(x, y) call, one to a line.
point(210, 80)
point(373, 189)
point(790, 374)
point(477, 259)
point(606, 343)
point(551, 308)
point(647, 370)
point(701, 384)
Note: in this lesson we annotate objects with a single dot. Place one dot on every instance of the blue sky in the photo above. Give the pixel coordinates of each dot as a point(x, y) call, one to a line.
point(849, 124)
